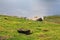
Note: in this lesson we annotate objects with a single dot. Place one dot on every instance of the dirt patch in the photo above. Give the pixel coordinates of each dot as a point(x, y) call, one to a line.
point(4, 37)
point(45, 30)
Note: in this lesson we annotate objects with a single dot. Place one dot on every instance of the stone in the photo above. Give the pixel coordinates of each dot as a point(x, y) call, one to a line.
point(27, 32)
point(39, 19)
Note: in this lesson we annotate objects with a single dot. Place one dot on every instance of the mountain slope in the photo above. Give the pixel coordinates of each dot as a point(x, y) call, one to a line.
point(41, 30)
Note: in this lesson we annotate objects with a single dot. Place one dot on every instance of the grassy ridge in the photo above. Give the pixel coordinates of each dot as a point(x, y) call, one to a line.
point(9, 26)
point(55, 18)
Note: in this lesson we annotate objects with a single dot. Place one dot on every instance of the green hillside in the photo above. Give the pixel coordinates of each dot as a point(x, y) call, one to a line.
point(55, 18)
point(45, 30)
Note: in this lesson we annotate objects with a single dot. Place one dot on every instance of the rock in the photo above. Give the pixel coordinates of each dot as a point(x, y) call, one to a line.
point(39, 19)
point(27, 32)
point(6, 18)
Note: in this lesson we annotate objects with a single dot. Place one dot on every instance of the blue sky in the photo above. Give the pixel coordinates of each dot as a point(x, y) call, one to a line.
point(29, 7)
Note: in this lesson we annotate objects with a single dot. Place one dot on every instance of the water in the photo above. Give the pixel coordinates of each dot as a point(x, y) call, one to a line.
point(30, 8)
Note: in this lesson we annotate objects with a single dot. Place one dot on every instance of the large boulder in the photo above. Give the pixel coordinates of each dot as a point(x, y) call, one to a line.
point(23, 31)
point(36, 18)
point(39, 19)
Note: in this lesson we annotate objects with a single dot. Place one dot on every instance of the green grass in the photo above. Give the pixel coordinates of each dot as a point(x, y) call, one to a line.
point(55, 18)
point(9, 27)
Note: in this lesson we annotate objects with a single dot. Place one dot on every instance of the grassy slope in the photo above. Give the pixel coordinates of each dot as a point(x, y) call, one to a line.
point(8, 28)
point(55, 18)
